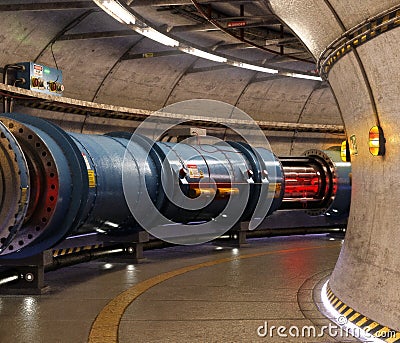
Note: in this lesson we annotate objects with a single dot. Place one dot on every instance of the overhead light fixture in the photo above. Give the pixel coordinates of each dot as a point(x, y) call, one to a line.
point(302, 76)
point(204, 54)
point(307, 77)
point(255, 67)
point(115, 9)
point(123, 13)
point(376, 141)
point(157, 36)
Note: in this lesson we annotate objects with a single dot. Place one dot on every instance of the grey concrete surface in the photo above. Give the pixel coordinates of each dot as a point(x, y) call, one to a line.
point(223, 303)
point(371, 254)
point(367, 90)
point(228, 302)
point(311, 20)
point(94, 71)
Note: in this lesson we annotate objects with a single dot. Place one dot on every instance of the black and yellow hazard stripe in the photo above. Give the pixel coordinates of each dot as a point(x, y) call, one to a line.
point(360, 35)
point(66, 251)
point(382, 332)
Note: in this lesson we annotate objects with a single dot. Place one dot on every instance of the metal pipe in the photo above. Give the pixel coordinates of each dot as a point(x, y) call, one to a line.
point(84, 256)
point(60, 184)
point(76, 183)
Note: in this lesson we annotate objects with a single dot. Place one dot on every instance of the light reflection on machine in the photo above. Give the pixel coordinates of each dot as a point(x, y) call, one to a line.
point(302, 183)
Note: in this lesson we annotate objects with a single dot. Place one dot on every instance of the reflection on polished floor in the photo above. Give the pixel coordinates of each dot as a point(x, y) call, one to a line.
point(181, 294)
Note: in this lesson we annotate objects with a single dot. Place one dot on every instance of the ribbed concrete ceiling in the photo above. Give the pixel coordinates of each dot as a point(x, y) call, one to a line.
point(102, 60)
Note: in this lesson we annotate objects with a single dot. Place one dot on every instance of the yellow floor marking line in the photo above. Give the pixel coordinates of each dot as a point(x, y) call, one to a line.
point(105, 327)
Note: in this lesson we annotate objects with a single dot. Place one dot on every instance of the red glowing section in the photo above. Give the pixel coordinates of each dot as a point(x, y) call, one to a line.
point(302, 182)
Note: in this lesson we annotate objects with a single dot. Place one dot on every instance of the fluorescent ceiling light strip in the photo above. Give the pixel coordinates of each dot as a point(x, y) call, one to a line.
point(157, 36)
point(117, 11)
point(303, 76)
point(255, 68)
point(204, 54)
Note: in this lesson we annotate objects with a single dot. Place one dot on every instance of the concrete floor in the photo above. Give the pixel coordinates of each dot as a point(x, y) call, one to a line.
point(271, 280)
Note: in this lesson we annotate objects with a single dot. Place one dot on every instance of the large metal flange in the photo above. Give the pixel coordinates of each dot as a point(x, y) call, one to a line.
point(14, 187)
point(328, 159)
point(58, 187)
point(340, 171)
point(329, 181)
point(43, 184)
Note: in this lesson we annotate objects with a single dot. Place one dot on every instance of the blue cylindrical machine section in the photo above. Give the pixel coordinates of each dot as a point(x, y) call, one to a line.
point(204, 178)
point(81, 183)
point(276, 178)
point(106, 207)
point(118, 183)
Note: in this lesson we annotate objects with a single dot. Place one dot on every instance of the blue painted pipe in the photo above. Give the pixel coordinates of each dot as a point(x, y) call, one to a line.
point(83, 183)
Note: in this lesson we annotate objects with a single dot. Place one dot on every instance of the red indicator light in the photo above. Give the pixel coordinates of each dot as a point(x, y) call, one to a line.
point(236, 24)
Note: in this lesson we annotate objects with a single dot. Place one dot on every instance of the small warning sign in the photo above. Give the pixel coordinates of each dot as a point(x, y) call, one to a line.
point(353, 145)
point(92, 179)
point(37, 70)
point(276, 188)
point(194, 172)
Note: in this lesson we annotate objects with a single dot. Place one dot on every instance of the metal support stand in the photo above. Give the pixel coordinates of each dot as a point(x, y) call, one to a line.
point(26, 276)
point(242, 234)
point(135, 248)
point(237, 236)
point(30, 273)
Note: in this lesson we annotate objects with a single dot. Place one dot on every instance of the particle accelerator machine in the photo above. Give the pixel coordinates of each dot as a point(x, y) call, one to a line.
point(56, 184)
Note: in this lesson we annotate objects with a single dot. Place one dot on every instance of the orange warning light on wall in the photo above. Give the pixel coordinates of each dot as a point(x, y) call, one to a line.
point(376, 141)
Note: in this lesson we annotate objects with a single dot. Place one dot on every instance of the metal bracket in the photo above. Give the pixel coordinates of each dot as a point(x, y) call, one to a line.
point(135, 248)
point(237, 236)
point(30, 273)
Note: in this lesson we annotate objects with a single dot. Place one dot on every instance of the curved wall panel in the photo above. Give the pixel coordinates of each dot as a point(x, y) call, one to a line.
point(365, 83)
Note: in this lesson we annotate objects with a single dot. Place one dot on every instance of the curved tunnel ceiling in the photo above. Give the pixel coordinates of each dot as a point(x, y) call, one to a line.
point(103, 61)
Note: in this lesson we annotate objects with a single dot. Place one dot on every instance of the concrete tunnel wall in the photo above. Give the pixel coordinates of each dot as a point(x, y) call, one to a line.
point(94, 71)
point(367, 273)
